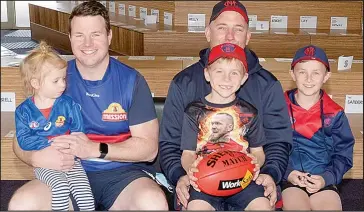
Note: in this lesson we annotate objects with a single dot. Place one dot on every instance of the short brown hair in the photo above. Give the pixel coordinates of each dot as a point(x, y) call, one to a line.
point(32, 66)
point(90, 8)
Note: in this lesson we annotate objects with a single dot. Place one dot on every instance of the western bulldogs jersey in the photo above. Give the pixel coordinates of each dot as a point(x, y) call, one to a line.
point(209, 127)
point(33, 130)
point(322, 139)
point(107, 106)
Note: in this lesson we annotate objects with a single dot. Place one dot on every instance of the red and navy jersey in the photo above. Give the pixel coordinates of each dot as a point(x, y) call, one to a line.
point(209, 127)
point(33, 130)
point(110, 106)
point(322, 139)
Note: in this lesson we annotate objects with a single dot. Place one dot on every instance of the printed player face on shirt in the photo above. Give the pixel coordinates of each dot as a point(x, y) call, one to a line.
point(222, 129)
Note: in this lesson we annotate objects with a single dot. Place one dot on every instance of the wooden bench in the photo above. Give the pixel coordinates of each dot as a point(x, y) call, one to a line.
point(132, 37)
point(158, 73)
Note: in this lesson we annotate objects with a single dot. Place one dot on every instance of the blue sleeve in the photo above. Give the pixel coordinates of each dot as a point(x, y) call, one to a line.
point(170, 135)
point(278, 132)
point(142, 107)
point(76, 117)
point(255, 133)
point(342, 157)
point(26, 140)
point(189, 132)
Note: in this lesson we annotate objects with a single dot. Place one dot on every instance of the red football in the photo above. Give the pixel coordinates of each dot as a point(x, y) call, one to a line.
point(224, 173)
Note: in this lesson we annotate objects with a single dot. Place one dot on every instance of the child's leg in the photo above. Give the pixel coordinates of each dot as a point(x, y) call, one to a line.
point(203, 201)
point(199, 205)
point(60, 189)
point(326, 200)
point(80, 187)
point(294, 197)
point(251, 198)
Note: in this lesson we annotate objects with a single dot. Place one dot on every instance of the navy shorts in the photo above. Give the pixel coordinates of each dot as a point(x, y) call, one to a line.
point(107, 185)
point(236, 202)
point(286, 184)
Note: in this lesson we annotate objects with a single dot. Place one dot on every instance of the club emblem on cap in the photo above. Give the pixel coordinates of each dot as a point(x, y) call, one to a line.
point(230, 4)
point(310, 51)
point(227, 48)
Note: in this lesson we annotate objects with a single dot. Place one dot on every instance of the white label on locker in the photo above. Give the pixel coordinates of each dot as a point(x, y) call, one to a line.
point(339, 22)
point(278, 21)
point(196, 20)
point(354, 104)
point(156, 13)
point(131, 11)
point(252, 21)
point(179, 58)
point(8, 101)
point(283, 59)
point(344, 63)
point(141, 58)
point(121, 9)
point(167, 18)
point(262, 25)
point(112, 6)
point(308, 22)
point(142, 12)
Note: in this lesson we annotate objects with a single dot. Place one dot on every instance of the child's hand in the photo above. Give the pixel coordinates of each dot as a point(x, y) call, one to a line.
point(192, 170)
point(314, 183)
point(297, 178)
point(257, 166)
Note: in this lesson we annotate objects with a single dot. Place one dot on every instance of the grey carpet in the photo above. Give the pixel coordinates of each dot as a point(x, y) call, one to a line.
point(19, 33)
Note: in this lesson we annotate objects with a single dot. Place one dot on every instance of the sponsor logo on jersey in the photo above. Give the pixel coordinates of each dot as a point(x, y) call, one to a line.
point(60, 121)
point(114, 113)
point(46, 128)
point(33, 125)
point(92, 94)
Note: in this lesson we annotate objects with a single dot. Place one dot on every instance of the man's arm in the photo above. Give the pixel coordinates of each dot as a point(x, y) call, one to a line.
point(170, 135)
point(54, 159)
point(141, 146)
point(143, 124)
point(278, 133)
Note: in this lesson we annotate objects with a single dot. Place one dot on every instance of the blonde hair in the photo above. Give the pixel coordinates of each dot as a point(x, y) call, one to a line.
point(32, 66)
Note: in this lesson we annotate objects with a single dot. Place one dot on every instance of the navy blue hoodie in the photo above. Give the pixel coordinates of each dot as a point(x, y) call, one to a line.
point(262, 89)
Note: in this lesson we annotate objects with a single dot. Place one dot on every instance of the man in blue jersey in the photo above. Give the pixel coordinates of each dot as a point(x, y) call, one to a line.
point(229, 23)
point(121, 127)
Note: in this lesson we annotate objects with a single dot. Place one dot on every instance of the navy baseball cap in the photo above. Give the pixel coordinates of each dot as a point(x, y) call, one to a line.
point(233, 5)
point(228, 50)
point(311, 52)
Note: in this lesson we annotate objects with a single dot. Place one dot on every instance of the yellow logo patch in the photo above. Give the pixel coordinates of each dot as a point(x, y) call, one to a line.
point(60, 121)
point(246, 180)
point(114, 113)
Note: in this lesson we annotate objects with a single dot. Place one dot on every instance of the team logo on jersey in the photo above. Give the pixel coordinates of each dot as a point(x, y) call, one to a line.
point(33, 125)
point(114, 113)
point(60, 121)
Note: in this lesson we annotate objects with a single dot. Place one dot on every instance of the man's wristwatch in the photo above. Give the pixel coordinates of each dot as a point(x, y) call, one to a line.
point(104, 149)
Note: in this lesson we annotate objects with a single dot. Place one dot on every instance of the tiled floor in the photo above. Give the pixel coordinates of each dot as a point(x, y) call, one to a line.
point(20, 42)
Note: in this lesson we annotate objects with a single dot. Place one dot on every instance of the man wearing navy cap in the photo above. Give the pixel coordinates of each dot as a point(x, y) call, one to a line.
point(229, 23)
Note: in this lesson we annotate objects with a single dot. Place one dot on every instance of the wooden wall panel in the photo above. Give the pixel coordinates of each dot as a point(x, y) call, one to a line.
point(174, 43)
point(273, 45)
point(11, 82)
point(115, 46)
point(34, 14)
point(54, 38)
point(324, 10)
point(336, 46)
point(63, 22)
point(131, 42)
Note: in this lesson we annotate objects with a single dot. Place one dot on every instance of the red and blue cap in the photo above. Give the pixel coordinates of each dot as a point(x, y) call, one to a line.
point(311, 52)
point(233, 5)
point(228, 50)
